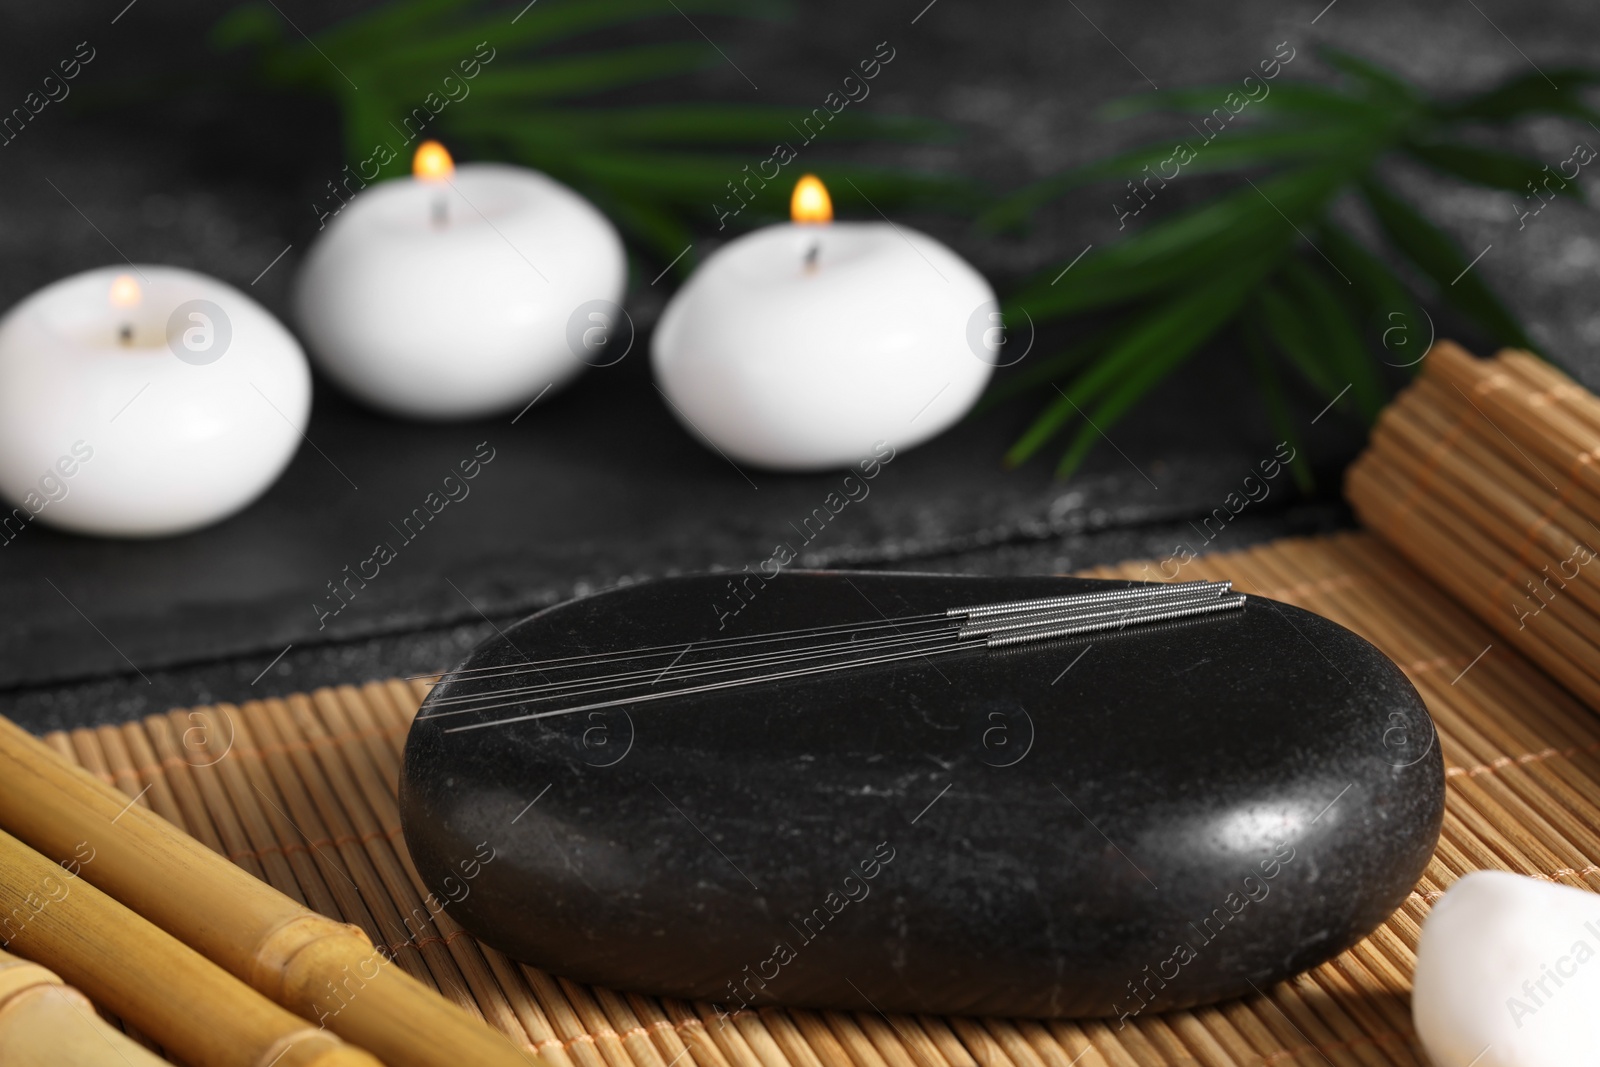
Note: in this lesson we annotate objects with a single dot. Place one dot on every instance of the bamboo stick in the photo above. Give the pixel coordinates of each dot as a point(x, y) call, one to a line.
point(86, 744)
point(197, 1010)
point(1459, 424)
point(641, 1041)
point(280, 786)
point(47, 1023)
point(1127, 1045)
point(292, 955)
point(894, 1042)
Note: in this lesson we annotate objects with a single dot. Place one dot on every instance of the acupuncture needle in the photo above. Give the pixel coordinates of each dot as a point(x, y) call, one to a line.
point(925, 624)
point(1013, 623)
point(1153, 591)
point(651, 676)
point(974, 643)
point(970, 644)
point(1073, 599)
point(1065, 629)
point(783, 656)
point(647, 651)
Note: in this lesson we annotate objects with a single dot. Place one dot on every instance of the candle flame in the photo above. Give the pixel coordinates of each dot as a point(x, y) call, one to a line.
point(810, 202)
point(432, 163)
point(125, 291)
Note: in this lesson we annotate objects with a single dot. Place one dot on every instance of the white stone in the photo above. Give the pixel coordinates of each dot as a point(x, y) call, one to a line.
point(1508, 974)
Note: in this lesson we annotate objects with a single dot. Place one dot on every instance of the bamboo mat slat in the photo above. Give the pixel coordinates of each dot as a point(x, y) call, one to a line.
point(1485, 474)
point(300, 791)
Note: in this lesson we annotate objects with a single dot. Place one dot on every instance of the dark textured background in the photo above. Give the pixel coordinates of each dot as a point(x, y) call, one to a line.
point(156, 158)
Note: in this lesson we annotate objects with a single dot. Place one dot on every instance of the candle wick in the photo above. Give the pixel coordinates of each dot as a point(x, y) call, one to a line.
point(125, 334)
point(811, 255)
point(441, 211)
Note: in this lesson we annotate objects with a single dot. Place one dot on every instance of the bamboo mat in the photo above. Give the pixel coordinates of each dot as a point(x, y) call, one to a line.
point(1483, 474)
point(300, 791)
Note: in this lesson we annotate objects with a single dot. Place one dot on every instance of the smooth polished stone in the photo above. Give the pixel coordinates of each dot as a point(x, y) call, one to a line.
point(1103, 825)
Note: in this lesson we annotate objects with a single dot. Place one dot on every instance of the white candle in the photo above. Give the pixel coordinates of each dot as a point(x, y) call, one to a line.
point(450, 295)
point(143, 402)
point(799, 346)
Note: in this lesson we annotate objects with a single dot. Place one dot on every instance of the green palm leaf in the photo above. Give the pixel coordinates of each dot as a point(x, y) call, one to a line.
point(1246, 149)
point(1272, 395)
point(1388, 308)
point(1530, 94)
point(1151, 352)
point(1334, 310)
point(1299, 100)
point(1133, 363)
point(1490, 167)
point(518, 84)
point(1438, 256)
point(1379, 85)
point(1335, 333)
point(1183, 249)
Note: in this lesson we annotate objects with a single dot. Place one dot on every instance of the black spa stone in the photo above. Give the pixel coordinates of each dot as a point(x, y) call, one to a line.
point(1104, 825)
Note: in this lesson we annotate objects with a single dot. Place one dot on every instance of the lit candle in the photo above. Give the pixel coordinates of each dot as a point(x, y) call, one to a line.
point(800, 346)
point(454, 293)
point(143, 402)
